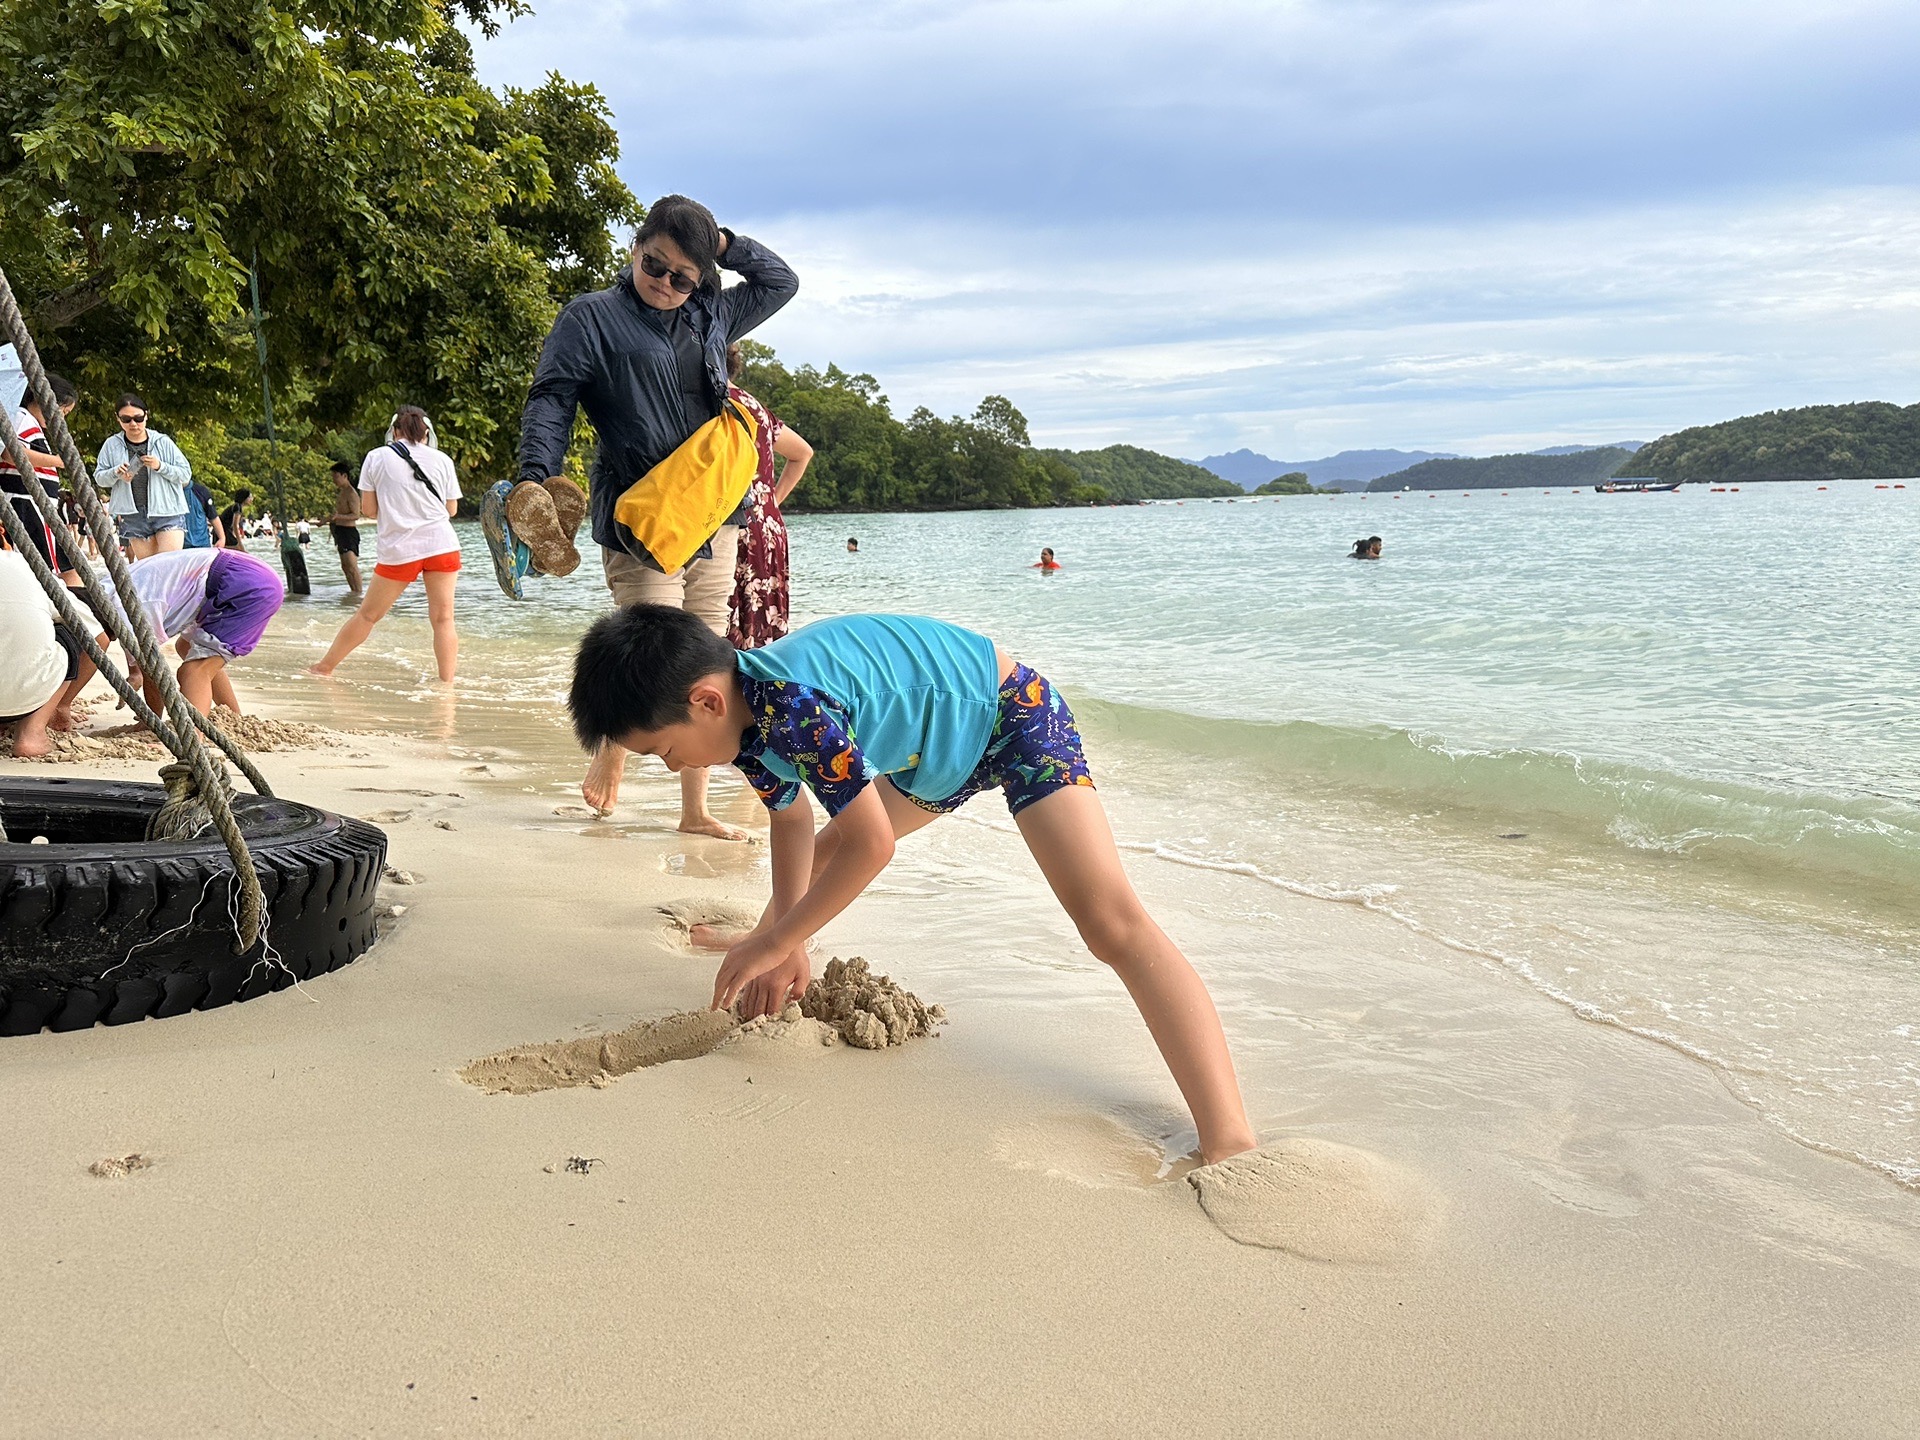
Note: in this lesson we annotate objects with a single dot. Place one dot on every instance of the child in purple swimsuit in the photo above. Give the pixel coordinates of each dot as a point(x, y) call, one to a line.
point(215, 604)
point(940, 715)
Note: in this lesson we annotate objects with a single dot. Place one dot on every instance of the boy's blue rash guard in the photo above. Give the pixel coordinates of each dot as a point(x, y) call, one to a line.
point(840, 701)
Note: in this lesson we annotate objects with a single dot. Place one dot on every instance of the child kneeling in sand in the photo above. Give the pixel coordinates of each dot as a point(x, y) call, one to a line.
point(941, 715)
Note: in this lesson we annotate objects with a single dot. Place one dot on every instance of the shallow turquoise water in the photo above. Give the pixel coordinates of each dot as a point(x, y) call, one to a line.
point(1657, 757)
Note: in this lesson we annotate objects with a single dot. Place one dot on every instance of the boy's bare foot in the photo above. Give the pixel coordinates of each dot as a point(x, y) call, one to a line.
point(63, 719)
point(707, 825)
point(601, 788)
point(324, 671)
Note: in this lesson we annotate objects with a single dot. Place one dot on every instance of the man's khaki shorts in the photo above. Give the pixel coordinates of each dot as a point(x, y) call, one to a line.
point(700, 587)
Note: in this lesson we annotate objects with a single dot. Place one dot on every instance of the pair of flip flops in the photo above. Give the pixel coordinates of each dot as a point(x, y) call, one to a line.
point(512, 559)
point(530, 529)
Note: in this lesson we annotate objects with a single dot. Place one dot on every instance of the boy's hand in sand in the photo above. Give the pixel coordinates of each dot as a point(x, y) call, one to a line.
point(769, 994)
point(750, 957)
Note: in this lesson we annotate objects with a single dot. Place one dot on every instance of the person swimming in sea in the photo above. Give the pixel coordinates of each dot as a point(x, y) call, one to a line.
point(1367, 549)
point(1046, 560)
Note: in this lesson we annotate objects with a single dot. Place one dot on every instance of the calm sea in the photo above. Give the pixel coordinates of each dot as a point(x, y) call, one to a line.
point(1656, 757)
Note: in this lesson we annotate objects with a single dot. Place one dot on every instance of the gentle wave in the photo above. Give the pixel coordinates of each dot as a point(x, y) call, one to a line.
point(1377, 899)
point(1864, 845)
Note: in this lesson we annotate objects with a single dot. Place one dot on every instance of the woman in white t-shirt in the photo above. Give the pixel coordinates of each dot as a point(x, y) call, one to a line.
point(410, 489)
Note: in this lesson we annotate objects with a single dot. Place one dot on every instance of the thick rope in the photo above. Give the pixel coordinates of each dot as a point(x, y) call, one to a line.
point(186, 742)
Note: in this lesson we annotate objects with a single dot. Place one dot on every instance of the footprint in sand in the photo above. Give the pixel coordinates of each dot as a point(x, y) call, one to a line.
point(1321, 1201)
point(388, 817)
point(1088, 1150)
point(685, 916)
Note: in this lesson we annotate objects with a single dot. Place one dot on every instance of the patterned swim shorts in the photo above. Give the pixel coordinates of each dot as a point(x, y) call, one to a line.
point(1034, 750)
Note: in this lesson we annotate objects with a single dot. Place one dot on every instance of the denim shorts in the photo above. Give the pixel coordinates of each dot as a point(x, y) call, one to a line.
point(145, 527)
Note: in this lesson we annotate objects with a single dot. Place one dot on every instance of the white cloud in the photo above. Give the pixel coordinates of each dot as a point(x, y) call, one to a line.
point(1299, 226)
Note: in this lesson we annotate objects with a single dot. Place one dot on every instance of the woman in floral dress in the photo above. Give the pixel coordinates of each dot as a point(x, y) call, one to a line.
point(758, 613)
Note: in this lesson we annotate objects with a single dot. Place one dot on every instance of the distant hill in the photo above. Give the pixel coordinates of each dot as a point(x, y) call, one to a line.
point(1249, 469)
point(1126, 472)
point(1495, 472)
point(1627, 445)
point(1871, 440)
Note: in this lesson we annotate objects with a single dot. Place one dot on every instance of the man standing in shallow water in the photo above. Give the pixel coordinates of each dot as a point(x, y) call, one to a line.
point(647, 359)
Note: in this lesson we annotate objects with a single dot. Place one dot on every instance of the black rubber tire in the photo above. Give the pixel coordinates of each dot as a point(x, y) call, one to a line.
point(100, 925)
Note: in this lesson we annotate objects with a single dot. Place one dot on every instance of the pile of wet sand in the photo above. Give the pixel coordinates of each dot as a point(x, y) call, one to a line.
point(869, 1011)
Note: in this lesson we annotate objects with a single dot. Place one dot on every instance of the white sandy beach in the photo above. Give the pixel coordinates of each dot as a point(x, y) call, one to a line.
point(969, 1234)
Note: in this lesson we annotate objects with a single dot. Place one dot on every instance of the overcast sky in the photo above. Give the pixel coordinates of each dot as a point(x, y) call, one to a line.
point(1299, 227)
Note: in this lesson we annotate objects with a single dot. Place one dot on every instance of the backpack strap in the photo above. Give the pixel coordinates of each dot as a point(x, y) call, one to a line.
point(414, 465)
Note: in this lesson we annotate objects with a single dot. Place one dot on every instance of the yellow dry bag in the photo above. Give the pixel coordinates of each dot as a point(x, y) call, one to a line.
point(682, 502)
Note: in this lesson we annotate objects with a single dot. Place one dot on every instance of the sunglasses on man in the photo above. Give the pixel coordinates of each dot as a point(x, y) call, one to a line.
point(660, 270)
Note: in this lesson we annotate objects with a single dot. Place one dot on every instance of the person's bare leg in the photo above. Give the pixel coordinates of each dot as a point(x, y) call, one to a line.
point(446, 639)
point(140, 549)
point(1070, 838)
point(169, 540)
point(196, 683)
point(350, 567)
point(30, 731)
point(695, 818)
point(223, 688)
point(62, 718)
point(601, 788)
point(380, 597)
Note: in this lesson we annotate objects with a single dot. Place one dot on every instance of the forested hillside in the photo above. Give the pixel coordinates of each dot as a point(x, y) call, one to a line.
point(1496, 472)
point(1871, 440)
point(1126, 472)
point(865, 459)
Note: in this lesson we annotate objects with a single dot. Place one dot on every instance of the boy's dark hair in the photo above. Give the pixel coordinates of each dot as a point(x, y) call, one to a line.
point(691, 226)
point(341, 467)
point(242, 495)
point(635, 669)
point(63, 391)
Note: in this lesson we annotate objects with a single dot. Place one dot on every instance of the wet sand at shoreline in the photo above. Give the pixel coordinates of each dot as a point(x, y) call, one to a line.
point(990, 1230)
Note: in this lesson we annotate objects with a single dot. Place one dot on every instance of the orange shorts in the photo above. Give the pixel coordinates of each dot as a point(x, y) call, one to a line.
point(407, 571)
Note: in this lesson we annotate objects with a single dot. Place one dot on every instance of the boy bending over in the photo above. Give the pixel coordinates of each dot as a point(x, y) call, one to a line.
point(940, 715)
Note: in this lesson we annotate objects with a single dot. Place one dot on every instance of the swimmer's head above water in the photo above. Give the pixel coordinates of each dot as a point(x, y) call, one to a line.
point(1367, 549)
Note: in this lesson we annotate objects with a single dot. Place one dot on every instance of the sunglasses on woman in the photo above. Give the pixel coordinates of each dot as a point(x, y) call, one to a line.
point(660, 270)
point(133, 419)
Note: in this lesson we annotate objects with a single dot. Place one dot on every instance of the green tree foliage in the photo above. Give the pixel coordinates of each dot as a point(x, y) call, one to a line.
point(1294, 482)
point(1871, 440)
point(1127, 472)
point(415, 231)
point(1496, 472)
point(865, 459)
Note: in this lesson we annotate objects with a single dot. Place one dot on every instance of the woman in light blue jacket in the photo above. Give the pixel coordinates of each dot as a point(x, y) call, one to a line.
point(148, 477)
